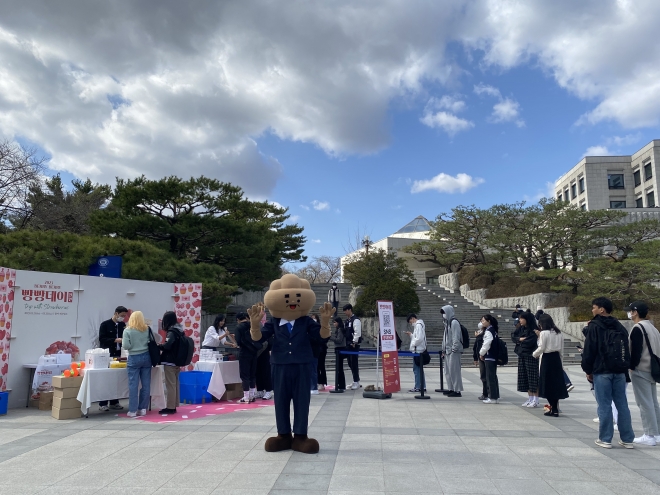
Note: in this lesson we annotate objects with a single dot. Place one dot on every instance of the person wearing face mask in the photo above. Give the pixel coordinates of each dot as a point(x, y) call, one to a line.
point(110, 337)
point(644, 347)
point(452, 349)
point(478, 342)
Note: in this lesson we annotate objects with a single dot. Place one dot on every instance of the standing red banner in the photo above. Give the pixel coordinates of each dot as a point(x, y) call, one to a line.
point(391, 381)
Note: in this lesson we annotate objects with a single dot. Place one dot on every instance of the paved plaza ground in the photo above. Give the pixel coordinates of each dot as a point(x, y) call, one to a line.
point(401, 445)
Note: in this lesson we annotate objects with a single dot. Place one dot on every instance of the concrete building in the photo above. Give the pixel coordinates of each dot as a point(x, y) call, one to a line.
point(414, 231)
point(615, 182)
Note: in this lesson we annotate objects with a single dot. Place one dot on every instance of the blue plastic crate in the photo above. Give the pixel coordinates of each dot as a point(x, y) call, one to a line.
point(4, 401)
point(193, 387)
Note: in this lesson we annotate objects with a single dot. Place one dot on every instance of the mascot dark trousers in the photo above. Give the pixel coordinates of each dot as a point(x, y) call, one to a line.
point(291, 383)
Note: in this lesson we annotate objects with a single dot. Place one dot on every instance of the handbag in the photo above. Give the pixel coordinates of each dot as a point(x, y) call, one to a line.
point(426, 357)
point(655, 360)
point(154, 350)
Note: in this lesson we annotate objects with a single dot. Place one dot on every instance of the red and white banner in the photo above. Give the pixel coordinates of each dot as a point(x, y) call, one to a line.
point(7, 282)
point(390, 355)
point(188, 308)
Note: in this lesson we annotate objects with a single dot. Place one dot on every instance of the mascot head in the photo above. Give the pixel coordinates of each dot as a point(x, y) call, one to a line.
point(289, 297)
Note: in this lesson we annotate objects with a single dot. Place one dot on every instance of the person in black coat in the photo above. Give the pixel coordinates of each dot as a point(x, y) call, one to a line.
point(478, 342)
point(110, 335)
point(525, 339)
point(168, 358)
point(247, 358)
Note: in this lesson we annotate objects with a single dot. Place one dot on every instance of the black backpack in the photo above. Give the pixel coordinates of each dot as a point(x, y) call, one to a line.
point(465, 335)
point(615, 352)
point(184, 350)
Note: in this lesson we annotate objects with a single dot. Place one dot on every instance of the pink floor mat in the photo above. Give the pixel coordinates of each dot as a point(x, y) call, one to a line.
point(196, 411)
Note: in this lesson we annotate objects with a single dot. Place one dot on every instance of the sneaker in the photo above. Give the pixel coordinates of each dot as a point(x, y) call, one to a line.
point(483, 397)
point(142, 412)
point(131, 414)
point(259, 394)
point(314, 392)
point(645, 440)
point(244, 400)
point(116, 407)
point(492, 401)
point(413, 391)
point(267, 395)
point(526, 403)
point(605, 445)
point(104, 408)
point(570, 387)
point(321, 387)
point(447, 392)
point(252, 399)
point(626, 445)
point(355, 385)
point(533, 404)
point(596, 420)
point(455, 394)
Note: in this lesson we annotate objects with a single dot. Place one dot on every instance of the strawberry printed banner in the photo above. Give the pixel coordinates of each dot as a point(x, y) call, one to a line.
point(7, 282)
point(188, 309)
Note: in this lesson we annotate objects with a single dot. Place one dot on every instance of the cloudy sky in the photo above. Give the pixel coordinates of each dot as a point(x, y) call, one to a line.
point(355, 115)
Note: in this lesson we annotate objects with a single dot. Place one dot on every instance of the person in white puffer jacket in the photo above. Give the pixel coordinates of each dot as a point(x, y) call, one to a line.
point(418, 345)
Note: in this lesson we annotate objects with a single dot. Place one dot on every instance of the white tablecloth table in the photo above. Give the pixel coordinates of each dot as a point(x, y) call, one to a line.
point(223, 372)
point(112, 383)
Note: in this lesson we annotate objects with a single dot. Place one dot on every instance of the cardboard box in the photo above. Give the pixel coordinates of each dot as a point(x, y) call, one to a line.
point(94, 361)
point(33, 403)
point(70, 403)
point(66, 413)
point(233, 391)
point(65, 393)
point(63, 382)
point(46, 401)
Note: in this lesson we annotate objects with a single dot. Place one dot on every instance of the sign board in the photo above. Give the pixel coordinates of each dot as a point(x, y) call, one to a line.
point(106, 266)
point(390, 357)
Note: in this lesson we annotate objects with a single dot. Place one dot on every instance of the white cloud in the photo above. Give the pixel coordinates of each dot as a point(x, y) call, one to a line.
point(505, 110)
point(626, 140)
point(316, 241)
point(293, 218)
point(320, 205)
point(597, 151)
point(549, 193)
point(452, 103)
point(448, 122)
point(305, 207)
point(445, 183)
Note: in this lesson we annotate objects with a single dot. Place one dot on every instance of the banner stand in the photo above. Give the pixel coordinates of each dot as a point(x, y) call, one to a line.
point(422, 379)
point(442, 384)
point(376, 394)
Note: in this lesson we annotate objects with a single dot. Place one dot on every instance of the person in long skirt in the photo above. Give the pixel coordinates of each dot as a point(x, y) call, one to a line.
point(551, 374)
point(524, 337)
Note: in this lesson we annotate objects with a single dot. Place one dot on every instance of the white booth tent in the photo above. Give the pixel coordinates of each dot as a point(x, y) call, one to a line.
point(40, 308)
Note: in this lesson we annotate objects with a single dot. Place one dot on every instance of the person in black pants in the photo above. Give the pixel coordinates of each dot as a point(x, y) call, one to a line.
point(339, 339)
point(322, 378)
point(353, 330)
point(264, 381)
point(478, 342)
point(110, 335)
point(247, 358)
point(489, 354)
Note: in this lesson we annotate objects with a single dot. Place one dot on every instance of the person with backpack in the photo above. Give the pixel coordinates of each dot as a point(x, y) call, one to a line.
point(489, 354)
point(452, 349)
point(169, 358)
point(478, 342)
point(606, 360)
point(525, 338)
point(353, 329)
point(550, 351)
point(644, 349)
point(247, 358)
point(417, 345)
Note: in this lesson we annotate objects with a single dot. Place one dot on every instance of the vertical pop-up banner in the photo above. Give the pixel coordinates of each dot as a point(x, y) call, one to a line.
point(391, 380)
point(7, 282)
point(188, 308)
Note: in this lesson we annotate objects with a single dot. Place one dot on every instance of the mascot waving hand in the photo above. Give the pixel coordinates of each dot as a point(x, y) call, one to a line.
point(289, 300)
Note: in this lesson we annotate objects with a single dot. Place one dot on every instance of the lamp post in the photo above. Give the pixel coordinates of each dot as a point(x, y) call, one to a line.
point(366, 243)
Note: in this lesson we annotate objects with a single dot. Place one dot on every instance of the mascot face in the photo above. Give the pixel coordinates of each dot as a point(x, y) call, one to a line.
point(289, 297)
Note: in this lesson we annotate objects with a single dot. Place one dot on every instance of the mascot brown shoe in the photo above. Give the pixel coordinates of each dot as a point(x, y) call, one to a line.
point(280, 442)
point(304, 444)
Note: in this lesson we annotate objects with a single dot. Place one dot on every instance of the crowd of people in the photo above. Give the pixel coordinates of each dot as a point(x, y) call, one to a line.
point(612, 357)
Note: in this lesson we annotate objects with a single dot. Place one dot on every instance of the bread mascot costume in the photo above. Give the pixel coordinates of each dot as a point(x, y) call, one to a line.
point(289, 301)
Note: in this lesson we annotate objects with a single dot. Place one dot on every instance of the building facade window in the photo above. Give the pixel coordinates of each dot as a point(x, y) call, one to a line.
point(573, 191)
point(638, 178)
point(639, 203)
point(617, 204)
point(648, 171)
point(615, 181)
point(650, 199)
point(581, 185)
point(583, 207)
point(559, 197)
point(566, 198)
